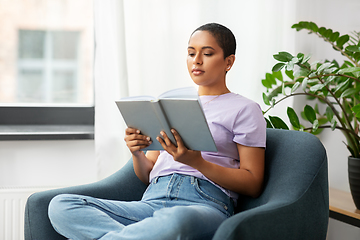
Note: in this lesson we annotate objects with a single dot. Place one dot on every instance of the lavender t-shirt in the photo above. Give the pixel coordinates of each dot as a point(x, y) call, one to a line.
point(232, 119)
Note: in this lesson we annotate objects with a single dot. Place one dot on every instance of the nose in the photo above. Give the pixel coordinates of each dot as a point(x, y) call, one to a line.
point(198, 59)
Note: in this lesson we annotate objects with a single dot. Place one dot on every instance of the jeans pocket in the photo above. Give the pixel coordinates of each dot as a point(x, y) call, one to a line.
point(210, 192)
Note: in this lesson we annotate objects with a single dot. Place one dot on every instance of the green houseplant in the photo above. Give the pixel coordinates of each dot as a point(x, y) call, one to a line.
point(337, 86)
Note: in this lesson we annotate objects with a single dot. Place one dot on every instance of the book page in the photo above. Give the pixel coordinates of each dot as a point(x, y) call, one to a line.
point(181, 93)
point(139, 98)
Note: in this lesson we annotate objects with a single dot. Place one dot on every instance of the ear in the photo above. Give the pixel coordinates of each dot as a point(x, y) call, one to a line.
point(229, 62)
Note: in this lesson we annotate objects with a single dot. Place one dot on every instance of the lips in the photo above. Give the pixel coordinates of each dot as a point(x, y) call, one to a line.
point(197, 71)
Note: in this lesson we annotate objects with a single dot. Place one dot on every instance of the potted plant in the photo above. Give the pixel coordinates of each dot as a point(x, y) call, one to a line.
point(334, 85)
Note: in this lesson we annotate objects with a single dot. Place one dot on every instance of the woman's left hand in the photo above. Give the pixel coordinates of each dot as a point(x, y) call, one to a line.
point(180, 153)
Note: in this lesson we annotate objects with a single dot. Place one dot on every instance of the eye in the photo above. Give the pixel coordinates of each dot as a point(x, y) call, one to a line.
point(191, 54)
point(208, 54)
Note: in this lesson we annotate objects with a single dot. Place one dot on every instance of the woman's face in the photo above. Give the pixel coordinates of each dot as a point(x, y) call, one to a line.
point(205, 60)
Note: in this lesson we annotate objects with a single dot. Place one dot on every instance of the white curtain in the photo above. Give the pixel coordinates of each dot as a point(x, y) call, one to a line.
point(141, 50)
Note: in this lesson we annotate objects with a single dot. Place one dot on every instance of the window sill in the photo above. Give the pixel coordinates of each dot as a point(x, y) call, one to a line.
point(46, 132)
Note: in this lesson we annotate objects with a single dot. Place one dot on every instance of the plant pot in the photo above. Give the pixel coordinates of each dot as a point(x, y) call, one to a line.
point(354, 179)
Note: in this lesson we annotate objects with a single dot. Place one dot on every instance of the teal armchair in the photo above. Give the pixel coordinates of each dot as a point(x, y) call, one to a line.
point(293, 205)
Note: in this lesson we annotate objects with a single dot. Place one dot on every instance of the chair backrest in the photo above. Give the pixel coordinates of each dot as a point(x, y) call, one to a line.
point(294, 161)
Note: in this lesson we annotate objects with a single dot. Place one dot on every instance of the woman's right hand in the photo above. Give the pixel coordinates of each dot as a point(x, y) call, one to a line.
point(135, 141)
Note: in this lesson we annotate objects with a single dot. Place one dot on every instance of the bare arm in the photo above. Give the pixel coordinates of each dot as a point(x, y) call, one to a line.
point(247, 180)
point(143, 164)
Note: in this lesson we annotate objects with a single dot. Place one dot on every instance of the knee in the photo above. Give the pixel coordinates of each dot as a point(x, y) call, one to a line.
point(59, 207)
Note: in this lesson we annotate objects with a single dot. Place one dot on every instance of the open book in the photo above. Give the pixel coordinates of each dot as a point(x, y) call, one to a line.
point(179, 109)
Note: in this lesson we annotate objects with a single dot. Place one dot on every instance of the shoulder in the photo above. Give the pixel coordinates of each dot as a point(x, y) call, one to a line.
point(241, 103)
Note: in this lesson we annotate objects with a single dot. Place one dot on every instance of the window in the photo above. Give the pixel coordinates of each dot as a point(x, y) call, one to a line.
point(48, 66)
point(46, 63)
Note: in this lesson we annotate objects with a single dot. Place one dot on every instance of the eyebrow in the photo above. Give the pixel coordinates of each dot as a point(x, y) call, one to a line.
point(205, 47)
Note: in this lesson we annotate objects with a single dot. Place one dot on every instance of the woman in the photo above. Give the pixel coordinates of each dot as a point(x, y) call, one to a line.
point(190, 192)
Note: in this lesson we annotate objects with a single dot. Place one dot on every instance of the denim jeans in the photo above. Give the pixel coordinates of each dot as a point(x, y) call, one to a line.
point(172, 207)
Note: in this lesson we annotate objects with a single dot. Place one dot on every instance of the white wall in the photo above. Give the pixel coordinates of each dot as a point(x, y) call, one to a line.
point(47, 163)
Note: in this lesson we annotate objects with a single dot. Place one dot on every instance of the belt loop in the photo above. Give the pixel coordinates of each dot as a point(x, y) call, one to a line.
point(192, 179)
point(155, 179)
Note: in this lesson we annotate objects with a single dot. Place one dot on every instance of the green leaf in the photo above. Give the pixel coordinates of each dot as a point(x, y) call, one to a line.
point(349, 92)
point(278, 123)
point(316, 108)
point(314, 65)
point(265, 83)
point(333, 124)
point(266, 99)
point(272, 102)
point(302, 72)
point(357, 56)
point(283, 57)
point(349, 70)
point(306, 58)
point(317, 87)
point(328, 33)
point(315, 125)
point(297, 26)
point(353, 48)
point(356, 110)
point(322, 120)
point(300, 56)
point(310, 113)
point(342, 40)
point(278, 75)
point(278, 67)
point(268, 124)
point(324, 66)
point(290, 74)
point(290, 66)
point(283, 89)
point(336, 64)
point(329, 113)
point(270, 78)
point(347, 63)
point(294, 120)
point(342, 86)
point(322, 31)
point(325, 92)
point(334, 36)
point(304, 84)
point(295, 87)
point(313, 27)
point(330, 70)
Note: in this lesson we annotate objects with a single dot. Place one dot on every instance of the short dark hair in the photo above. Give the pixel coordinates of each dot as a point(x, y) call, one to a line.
point(224, 37)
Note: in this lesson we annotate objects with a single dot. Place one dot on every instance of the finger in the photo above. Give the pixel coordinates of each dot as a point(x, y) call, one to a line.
point(178, 139)
point(137, 145)
point(134, 137)
point(161, 141)
point(130, 130)
point(166, 139)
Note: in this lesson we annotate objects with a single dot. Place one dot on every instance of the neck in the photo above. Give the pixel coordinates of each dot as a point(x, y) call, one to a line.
point(217, 91)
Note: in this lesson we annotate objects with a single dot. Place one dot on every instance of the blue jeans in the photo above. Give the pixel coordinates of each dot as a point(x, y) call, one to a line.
point(172, 207)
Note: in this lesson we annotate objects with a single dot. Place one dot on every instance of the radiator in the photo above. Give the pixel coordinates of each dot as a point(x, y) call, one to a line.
point(12, 209)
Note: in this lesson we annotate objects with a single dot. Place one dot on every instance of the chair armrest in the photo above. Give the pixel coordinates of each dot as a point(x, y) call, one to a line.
point(299, 219)
point(122, 185)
